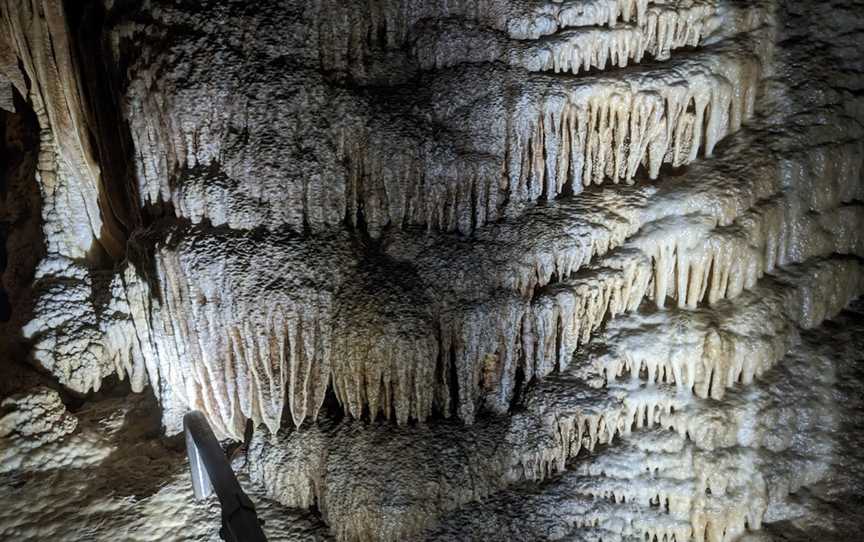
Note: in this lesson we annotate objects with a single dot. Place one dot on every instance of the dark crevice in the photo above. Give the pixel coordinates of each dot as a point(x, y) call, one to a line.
point(439, 411)
point(331, 408)
point(454, 381)
point(109, 133)
point(21, 245)
point(5, 306)
point(519, 383)
point(559, 336)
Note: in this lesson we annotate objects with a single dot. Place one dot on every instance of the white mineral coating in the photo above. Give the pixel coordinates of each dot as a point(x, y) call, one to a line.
point(331, 153)
point(77, 218)
point(597, 230)
point(585, 47)
point(31, 420)
point(78, 224)
point(730, 467)
point(113, 478)
point(708, 248)
point(604, 395)
point(71, 340)
point(244, 345)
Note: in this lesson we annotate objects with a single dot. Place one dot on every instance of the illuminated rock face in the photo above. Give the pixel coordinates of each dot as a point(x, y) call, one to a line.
point(555, 256)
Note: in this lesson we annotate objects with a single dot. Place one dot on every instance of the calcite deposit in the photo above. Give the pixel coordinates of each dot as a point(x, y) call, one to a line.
point(434, 269)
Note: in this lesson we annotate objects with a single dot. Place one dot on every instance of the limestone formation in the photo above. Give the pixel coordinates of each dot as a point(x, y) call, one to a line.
point(463, 269)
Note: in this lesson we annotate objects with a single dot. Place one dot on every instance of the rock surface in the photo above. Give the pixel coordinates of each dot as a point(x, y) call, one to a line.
point(532, 269)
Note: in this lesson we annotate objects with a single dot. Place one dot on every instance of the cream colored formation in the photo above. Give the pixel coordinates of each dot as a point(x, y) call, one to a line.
point(551, 261)
point(713, 472)
point(278, 346)
point(636, 377)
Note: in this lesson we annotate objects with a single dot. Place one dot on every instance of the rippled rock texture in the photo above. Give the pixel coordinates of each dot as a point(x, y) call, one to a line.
point(468, 269)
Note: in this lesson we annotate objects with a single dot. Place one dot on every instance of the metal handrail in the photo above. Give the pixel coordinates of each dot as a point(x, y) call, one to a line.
point(211, 472)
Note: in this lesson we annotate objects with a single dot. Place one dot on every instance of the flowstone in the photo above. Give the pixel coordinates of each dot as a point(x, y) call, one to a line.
point(522, 269)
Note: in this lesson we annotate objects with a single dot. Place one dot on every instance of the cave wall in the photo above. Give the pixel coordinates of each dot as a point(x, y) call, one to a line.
point(519, 229)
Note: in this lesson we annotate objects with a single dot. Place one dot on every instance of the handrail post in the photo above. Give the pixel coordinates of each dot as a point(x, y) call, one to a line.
point(211, 472)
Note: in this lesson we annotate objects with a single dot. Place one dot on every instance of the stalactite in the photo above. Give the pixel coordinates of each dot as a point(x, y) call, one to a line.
point(77, 217)
point(700, 262)
point(393, 170)
point(575, 47)
point(594, 401)
point(471, 269)
point(660, 30)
